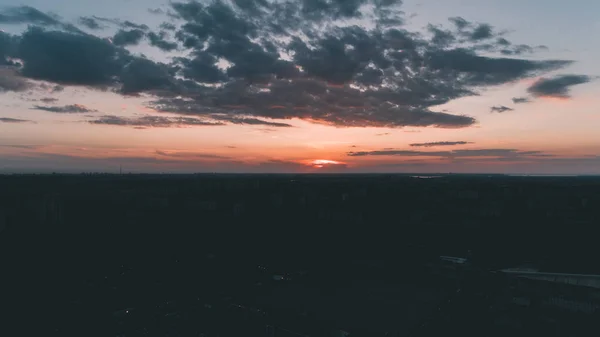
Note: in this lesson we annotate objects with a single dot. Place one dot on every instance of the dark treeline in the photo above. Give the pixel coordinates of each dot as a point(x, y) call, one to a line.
point(185, 233)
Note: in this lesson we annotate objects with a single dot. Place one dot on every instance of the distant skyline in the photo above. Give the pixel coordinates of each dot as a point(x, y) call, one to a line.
point(269, 86)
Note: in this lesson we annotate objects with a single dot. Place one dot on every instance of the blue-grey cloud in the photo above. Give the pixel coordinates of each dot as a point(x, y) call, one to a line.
point(160, 41)
point(27, 14)
point(128, 37)
point(70, 59)
point(557, 86)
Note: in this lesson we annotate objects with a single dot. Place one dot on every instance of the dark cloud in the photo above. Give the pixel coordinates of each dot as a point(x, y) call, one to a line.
point(67, 58)
point(291, 59)
point(481, 32)
point(167, 26)
point(8, 48)
point(67, 109)
point(128, 37)
point(521, 100)
point(502, 154)
point(90, 23)
point(557, 86)
point(144, 75)
point(13, 120)
point(501, 109)
point(160, 41)
point(383, 134)
point(432, 144)
point(153, 121)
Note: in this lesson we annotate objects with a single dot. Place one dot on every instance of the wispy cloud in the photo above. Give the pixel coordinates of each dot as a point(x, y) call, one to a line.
point(14, 120)
point(433, 144)
point(471, 153)
point(500, 109)
point(521, 100)
point(153, 121)
point(67, 109)
point(21, 146)
point(189, 155)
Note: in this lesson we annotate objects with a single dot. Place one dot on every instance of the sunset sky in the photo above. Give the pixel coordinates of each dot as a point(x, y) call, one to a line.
point(432, 86)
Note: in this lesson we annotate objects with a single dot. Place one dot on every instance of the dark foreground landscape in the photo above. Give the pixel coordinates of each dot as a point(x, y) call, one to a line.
point(299, 255)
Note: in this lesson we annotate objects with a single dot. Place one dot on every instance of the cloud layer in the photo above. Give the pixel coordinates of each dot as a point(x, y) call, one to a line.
point(497, 154)
point(270, 59)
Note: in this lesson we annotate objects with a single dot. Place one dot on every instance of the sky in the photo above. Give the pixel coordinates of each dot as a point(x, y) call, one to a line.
point(306, 86)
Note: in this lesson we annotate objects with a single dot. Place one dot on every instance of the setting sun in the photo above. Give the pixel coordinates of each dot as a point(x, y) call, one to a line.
point(320, 163)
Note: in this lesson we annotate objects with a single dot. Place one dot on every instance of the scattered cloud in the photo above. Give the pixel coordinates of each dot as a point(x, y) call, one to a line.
point(557, 86)
point(521, 100)
point(383, 134)
point(336, 74)
point(432, 144)
point(67, 109)
point(500, 109)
